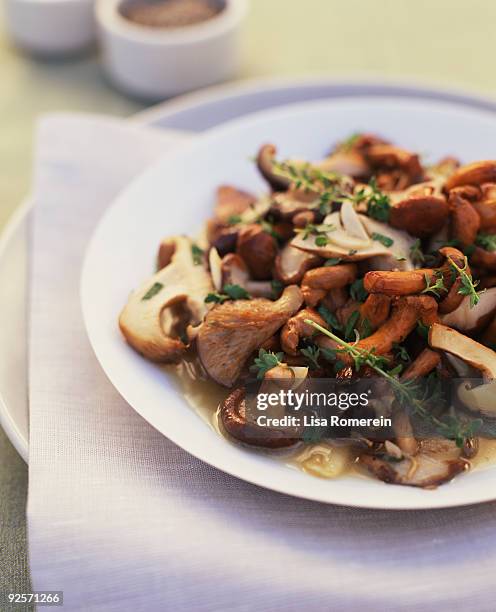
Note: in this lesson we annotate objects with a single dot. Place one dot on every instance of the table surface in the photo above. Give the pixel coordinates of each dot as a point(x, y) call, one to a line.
point(445, 43)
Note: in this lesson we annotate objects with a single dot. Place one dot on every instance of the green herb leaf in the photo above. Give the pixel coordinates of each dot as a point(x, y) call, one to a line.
point(401, 353)
point(311, 229)
point(230, 292)
point(378, 204)
point(366, 329)
point(416, 254)
point(152, 292)
point(266, 361)
point(321, 241)
point(423, 330)
point(333, 261)
point(357, 291)
point(436, 287)
point(468, 285)
point(234, 220)
point(349, 143)
point(216, 298)
point(486, 241)
point(277, 289)
point(329, 318)
point(351, 325)
point(235, 292)
point(268, 228)
point(197, 254)
point(385, 240)
point(312, 354)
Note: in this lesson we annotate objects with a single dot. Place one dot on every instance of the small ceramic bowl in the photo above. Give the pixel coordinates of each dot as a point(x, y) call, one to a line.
point(51, 27)
point(156, 63)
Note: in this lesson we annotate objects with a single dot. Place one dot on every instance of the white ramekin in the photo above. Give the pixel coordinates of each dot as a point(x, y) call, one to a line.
point(51, 27)
point(155, 63)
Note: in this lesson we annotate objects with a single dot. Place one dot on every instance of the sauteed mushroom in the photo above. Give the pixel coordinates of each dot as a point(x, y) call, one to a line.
point(233, 330)
point(155, 319)
point(379, 264)
point(437, 462)
point(234, 420)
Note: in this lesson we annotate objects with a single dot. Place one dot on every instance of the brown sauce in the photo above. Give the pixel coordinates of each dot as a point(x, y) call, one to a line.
point(171, 13)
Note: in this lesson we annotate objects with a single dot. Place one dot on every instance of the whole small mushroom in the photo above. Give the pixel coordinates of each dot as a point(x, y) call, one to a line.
point(258, 250)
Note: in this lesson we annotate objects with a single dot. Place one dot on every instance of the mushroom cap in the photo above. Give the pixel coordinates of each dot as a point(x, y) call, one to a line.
point(233, 417)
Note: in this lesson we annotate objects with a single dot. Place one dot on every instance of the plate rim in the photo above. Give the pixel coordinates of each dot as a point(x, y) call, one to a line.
point(477, 496)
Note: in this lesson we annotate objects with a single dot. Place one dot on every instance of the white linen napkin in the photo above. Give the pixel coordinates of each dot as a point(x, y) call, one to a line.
point(122, 519)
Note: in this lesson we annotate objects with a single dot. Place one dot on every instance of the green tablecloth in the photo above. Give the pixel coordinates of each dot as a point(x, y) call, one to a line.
point(444, 42)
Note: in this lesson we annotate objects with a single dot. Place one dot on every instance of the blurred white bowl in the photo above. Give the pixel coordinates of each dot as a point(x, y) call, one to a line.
point(51, 27)
point(155, 63)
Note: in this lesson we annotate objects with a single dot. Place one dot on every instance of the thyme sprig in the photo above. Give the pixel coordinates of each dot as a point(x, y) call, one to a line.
point(319, 231)
point(406, 391)
point(468, 285)
point(434, 287)
point(378, 203)
point(326, 185)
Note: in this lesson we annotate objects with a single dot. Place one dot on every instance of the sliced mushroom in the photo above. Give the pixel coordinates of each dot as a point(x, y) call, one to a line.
point(233, 330)
point(438, 461)
point(420, 216)
point(265, 162)
point(472, 320)
point(477, 355)
point(232, 202)
point(473, 174)
point(258, 250)
point(232, 270)
point(158, 312)
point(352, 222)
point(318, 282)
point(234, 420)
point(296, 329)
point(346, 241)
point(291, 264)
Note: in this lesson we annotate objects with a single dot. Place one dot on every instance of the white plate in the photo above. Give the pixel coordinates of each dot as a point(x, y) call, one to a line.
point(195, 112)
point(140, 217)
